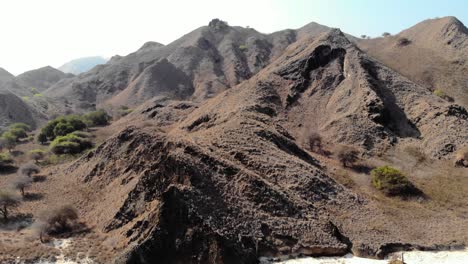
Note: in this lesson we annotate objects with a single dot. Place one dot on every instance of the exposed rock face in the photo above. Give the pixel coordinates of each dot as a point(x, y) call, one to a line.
point(434, 54)
point(227, 181)
point(212, 58)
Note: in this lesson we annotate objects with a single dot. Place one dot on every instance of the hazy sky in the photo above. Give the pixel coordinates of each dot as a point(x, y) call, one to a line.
point(36, 33)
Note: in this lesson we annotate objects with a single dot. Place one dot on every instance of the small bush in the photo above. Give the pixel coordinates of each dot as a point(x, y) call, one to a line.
point(62, 129)
point(70, 144)
point(8, 201)
point(97, 118)
point(21, 183)
point(403, 41)
point(62, 126)
point(347, 155)
point(391, 181)
point(315, 142)
point(23, 126)
point(5, 160)
point(37, 154)
point(386, 34)
point(28, 169)
point(242, 47)
point(8, 141)
point(18, 133)
point(42, 138)
point(59, 221)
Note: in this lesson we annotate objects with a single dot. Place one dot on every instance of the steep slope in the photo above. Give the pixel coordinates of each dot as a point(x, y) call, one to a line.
point(227, 181)
point(433, 53)
point(206, 61)
point(5, 76)
point(81, 65)
point(13, 109)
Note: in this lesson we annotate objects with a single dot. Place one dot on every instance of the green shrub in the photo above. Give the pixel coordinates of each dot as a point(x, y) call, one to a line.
point(391, 181)
point(439, 93)
point(97, 118)
point(23, 126)
point(8, 141)
point(70, 144)
point(81, 134)
point(5, 159)
point(62, 126)
point(42, 138)
point(243, 47)
point(38, 95)
point(62, 129)
point(18, 133)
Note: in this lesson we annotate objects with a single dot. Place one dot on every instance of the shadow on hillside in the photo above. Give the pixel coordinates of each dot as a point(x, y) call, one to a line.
point(16, 153)
point(39, 178)
point(32, 197)
point(362, 168)
point(16, 222)
point(9, 169)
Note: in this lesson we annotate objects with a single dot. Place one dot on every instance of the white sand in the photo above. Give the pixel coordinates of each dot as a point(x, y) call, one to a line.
point(412, 257)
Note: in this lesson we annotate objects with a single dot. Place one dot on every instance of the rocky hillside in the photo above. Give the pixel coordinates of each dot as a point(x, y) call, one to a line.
point(13, 109)
point(229, 180)
point(197, 66)
point(82, 65)
point(5, 76)
point(432, 53)
point(28, 104)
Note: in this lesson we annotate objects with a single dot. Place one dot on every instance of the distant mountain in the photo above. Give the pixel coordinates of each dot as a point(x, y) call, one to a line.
point(197, 66)
point(81, 65)
point(432, 53)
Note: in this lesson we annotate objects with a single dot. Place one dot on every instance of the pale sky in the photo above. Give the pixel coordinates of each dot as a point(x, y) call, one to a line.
point(37, 33)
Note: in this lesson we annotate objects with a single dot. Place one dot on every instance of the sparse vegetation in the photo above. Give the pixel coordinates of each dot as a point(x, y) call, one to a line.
point(391, 181)
point(386, 34)
point(243, 48)
point(8, 201)
point(347, 155)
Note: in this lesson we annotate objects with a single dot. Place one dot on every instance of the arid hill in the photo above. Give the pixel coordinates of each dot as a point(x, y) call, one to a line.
point(197, 66)
point(13, 109)
point(229, 180)
point(27, 104)
point(432, 53)
point(5, 76)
